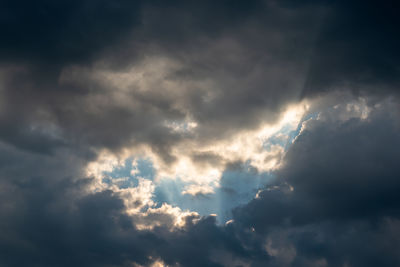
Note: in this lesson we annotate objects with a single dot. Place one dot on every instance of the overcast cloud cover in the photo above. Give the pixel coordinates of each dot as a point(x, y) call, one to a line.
point(199, 133)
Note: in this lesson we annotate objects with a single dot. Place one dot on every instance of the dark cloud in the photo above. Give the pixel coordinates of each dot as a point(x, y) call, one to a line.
point(357, 48)
point(64, 31)
point(233, 60)
point(48, 220)
point(343, 209)
point(77, 77)
point(236, 65)
point(338, 189)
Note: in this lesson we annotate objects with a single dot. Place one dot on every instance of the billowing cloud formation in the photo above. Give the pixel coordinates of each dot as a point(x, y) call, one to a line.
point(126, 125)
point(336, 193)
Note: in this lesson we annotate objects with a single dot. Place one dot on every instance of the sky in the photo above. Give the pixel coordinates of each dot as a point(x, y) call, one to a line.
point(199, 133)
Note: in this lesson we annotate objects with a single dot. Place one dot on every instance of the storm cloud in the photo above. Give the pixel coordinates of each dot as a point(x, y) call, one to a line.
point(199, 133)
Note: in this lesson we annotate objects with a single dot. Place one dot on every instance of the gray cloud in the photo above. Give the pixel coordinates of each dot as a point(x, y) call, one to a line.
point(343, 208)
point(238, 65)
point(345, 181)
point(232, 67)
point(77, 77)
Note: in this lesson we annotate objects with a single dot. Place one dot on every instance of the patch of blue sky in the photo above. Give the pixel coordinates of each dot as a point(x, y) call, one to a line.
point(126, 175)
point(285, 136)
point(280, 138)
point(237, 187)
point(145, 168)
point(170, 191)
point(293, 134)
point(274, 140)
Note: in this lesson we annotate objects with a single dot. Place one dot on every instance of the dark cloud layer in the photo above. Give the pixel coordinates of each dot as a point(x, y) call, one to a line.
point(233, 62)
point(229, 66)
point(344, 207)
point(256, 56)
point(65, 31)
point(357, 48)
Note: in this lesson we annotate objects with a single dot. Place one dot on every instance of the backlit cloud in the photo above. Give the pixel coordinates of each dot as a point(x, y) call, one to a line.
point(199, 133)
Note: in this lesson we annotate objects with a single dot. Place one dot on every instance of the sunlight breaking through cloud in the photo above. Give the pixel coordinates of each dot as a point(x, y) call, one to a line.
point(197, 169)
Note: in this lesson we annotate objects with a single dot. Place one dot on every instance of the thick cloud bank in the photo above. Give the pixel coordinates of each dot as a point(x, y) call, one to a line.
point(199, 133)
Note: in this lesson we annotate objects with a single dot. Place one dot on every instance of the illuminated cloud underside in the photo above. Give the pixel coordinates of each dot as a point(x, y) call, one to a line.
point(262, 150)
